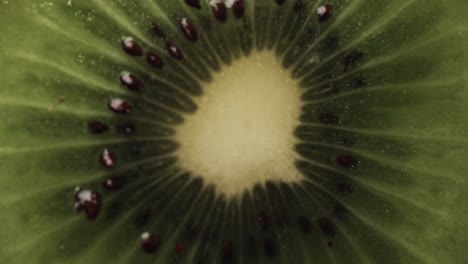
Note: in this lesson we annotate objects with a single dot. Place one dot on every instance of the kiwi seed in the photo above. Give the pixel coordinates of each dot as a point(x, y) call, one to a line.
point(233, 131)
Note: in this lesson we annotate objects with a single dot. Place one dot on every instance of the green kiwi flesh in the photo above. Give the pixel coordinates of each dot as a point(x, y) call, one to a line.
point(381, 133)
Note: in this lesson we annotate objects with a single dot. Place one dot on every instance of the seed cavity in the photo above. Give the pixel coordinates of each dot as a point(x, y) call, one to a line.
point(188, 29)
point(269, 248)
point(192, 232)
point(346, 161)
point(193, 3)
point(344, 188)
point(219, 10)
point(251, 247)
point(346, 141)
point(131, 82)
point(324, 12)
point(87, 201)
point(97, 127)
point(358, 82)
point(142, 218)
point(119, 106)
point(238, 8)
point(107, 159)
point(150, 243)
point(331, 42)
point(352, 59)
point(154, 60)
point(180, 247)
point(304, 225)
point(264, 220)
point(328, 118)
point(157, 31)
point(340, 211)
point(131, 47)
point(228, 251)
point(299, 6)
point(174, 51)
point(327, 227)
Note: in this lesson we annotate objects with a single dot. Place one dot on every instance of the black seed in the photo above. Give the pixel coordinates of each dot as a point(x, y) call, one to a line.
point(174, 51)
point(194, 3)
point(157, 31)
point(131, 82)
point(352, 59)
point(107, 158)
point(87, 201)
point(238, 8)
point(264, 220)
point(180, 247)
point(131, 47)
point(327, 227)
point(304, 225)
point(269, 247)
point(119, 106)
point(188, 29)
point(150, 243)
point(113, 183)
point(280, 2)
point(344, 188)
point(228, 251)
point(96, 127)
point(346, 161)
point(126, 129)
point(154, 60)
point(324, 12)
point(299, 6)
point(142, 217)
point(219, 10)
point(328, 118)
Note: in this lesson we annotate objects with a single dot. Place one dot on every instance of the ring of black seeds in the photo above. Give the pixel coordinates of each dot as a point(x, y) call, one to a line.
point(90, 201)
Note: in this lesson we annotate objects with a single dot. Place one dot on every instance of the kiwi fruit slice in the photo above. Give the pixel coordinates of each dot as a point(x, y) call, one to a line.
point(237, 131)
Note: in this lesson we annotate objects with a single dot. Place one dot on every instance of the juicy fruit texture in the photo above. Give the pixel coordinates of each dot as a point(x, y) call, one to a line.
point(380, 137)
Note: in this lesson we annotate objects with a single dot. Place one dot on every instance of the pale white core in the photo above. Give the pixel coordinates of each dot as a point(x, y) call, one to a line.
point(242, 132)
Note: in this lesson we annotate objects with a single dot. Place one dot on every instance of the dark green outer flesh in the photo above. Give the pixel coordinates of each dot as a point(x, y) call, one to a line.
point(410, 123)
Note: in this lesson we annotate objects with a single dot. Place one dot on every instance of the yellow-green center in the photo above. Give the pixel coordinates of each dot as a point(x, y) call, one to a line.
point(242, 133)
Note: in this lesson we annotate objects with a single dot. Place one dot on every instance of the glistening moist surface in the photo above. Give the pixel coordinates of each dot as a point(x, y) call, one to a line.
point(104, 96)
point(243, 131)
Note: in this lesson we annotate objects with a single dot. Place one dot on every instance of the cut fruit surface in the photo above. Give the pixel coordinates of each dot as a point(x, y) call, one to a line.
point(177, 131)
